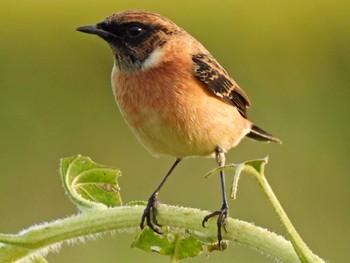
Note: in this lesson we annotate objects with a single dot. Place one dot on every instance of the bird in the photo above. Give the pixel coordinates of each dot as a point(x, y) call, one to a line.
point(175, 97)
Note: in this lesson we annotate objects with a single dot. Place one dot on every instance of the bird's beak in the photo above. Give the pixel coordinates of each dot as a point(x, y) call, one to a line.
point(96, 30)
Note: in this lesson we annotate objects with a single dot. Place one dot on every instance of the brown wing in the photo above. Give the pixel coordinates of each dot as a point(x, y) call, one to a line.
point(215, 78)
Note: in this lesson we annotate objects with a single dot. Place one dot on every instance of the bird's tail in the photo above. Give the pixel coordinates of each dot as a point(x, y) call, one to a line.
point(259, 134)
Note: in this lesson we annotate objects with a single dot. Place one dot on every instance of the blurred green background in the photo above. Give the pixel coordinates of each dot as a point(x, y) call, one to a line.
point(291, 57)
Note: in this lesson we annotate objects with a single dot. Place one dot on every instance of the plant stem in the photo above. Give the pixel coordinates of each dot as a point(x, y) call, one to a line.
point(303, 251)
point(39, 239)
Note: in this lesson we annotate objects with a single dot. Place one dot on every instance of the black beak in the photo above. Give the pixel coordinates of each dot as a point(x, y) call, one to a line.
point(96, 30)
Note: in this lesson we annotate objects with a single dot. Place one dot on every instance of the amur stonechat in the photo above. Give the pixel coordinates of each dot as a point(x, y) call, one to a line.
point(175, 96)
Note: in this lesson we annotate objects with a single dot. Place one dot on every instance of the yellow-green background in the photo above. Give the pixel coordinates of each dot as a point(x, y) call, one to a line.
point(291, 57)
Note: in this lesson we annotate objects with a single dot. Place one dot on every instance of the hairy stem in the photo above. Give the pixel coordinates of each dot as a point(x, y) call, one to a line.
point(38, 240)
point(303, 251)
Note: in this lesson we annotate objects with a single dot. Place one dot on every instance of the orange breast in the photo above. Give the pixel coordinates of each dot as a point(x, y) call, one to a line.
point(172, 113)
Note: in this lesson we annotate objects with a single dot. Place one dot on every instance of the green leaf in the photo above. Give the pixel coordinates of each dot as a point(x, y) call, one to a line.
point(90, 185)
point(177, 245)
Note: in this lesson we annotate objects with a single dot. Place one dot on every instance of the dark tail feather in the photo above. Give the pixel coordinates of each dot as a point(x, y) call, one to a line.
point(259, 134)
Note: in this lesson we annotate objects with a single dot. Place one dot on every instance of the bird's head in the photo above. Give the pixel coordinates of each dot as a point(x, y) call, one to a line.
point(133, 36)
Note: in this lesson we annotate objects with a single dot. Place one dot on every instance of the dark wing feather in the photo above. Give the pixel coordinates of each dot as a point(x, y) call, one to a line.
point(209, 72)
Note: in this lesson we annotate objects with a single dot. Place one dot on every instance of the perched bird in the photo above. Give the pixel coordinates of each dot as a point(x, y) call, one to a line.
point(175, 96)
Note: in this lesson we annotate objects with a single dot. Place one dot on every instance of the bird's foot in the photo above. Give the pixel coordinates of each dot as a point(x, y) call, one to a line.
point(221, 222)
point(150, 215)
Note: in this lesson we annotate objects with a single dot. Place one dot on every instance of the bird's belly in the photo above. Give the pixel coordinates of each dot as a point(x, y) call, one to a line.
point(180, 121)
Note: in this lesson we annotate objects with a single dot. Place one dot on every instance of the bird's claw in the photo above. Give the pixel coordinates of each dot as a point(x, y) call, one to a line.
point(221, 221)
point(150, 215)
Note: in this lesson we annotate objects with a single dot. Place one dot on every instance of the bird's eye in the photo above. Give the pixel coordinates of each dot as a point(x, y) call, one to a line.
point(134, 30)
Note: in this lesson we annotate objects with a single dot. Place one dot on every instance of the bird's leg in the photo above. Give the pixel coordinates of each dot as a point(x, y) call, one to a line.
point(150, 212)
point(223, 212)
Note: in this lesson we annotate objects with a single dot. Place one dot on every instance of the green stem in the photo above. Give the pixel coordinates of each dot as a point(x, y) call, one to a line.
point(37, 240)
point(303, 251)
